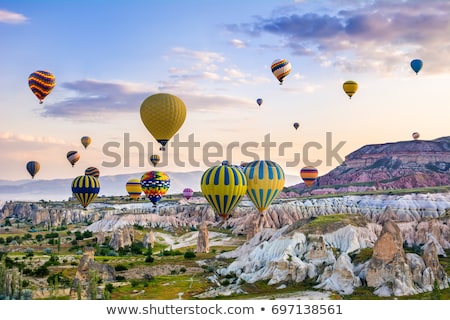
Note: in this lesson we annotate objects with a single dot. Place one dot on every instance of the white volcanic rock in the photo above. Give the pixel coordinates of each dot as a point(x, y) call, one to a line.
point(351, 238)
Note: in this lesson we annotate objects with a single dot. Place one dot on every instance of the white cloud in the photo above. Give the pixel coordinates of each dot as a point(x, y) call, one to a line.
point(18, 137)
point(11, 17)
point(238, 43)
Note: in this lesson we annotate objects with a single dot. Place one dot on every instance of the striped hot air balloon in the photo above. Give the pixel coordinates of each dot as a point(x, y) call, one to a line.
point(33, 168)
point(73, 157)
point(92, 171)
point(85, 189)
point(280, 69)
point(155, 184)
point(309, 175)
point(154, 159)
point(265, 180)
point(134, 188)
point(350, 87)
point(223, 187)
point(41, 84)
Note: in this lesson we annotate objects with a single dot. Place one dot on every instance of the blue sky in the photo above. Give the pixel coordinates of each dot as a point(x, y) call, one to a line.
point(108, 56)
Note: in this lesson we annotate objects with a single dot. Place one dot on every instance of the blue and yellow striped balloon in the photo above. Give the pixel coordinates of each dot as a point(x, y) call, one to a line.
point(265, 180)
point(134, 188)
point(41, 83)
point(85, 189)
point(223, 186)
point(33, 168)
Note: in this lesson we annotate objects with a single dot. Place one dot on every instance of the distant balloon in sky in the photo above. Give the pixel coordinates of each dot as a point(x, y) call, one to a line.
point(309, 175)
point(92, 171)
point(259, 101)
point(33, 168)
point(350, 87)
point(85, 189)
point(86, 141)
point(280, 69)
point(163, 115)
point(415, 135)
point(416, 65)
point(188, 193)
point(296, 125)
point(73, 157)
point(134, 188)
point(41, 84)
point(154, 159)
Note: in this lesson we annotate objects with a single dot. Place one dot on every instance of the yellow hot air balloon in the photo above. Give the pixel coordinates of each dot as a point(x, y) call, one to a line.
point(309, 175)
point(85, 141)
point(350, 87)
point(85, 189)
point(134, 188)
point(265, 180)
point(163, 115)
point(223, 186)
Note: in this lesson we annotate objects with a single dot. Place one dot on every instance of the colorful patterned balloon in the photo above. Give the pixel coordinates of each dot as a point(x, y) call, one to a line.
point(134, 188)
point(155, 184)
point(92, 171)
point(85, 189)
point(280, 69)
point(309, 175)
point(33, 168)
point(223, 187)
point(41, 84)
point(265, 180)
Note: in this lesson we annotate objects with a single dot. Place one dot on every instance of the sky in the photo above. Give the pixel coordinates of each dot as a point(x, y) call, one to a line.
point(108, 56)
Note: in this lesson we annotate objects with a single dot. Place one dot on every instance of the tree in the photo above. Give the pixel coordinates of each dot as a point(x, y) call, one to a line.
point(436, 293)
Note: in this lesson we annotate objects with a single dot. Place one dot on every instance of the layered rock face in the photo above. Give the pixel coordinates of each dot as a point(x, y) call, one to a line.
point(203, 239)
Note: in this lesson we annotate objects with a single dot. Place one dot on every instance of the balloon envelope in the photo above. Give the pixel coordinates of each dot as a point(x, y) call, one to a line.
point(415, 135)
point(350, 87)
point(33, 168)
point(163, 115)
point(134, 188)
point(309, 175)
point(41, 84)
point(155, 184)
point(188, 193)
point(85, 141)
point(85, 189)
point(416, 65)
point(259, 101)
point(73, 157)
point(280, 69)
point(92, 171)
point(223, 187)
point(265, 180)
point(154, 158)
point(296, 125)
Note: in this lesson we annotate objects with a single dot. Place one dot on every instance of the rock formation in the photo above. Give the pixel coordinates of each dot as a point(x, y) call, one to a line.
point(203, 239)
point(122, 237)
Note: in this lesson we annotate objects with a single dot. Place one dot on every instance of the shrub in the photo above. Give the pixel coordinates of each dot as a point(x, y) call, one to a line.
point(189, 255)
point(120, 267)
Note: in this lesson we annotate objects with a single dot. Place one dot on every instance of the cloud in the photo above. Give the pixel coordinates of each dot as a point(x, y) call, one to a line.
point(238, 43)
point(369, 32)
point(11, 17)
point(18, 137)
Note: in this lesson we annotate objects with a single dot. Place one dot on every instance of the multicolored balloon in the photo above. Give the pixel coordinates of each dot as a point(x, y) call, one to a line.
point(163, 115)
point(85, 189)
point(85, 141)
point(155, 184)
point(259, 101)
point(92, 171)
point(134, 188)
point(41, 84)
point(416, 65)
point(280, 69)
point(154, 158)
point(223, 187)
point(33, 168)
point(309, 175)
point(296, 125)
point(188, 193)
point(265, 180)
point(350, 87)
point(73, 157)
point(416, 135)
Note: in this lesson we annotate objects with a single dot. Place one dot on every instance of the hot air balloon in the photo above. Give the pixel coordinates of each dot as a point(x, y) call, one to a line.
point(350, 87)
point(188, 193)
point(259, 101)
point(134, 188)
point(223, 187)
point(41, 84)
point(85, 189)
point(280, 69)
point(33, 168)
point(163, 115)
point(416, 65)
point(73, 157)
point(265, 180)
point(92, 171)
point(309, 175)
point(85, 141)
point(296, 125)
point(154, 158)
point(155, 184)
point(415, 135)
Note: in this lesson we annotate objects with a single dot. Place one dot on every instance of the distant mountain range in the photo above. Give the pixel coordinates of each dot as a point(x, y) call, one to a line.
point(387, 166)
point(60, 189)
